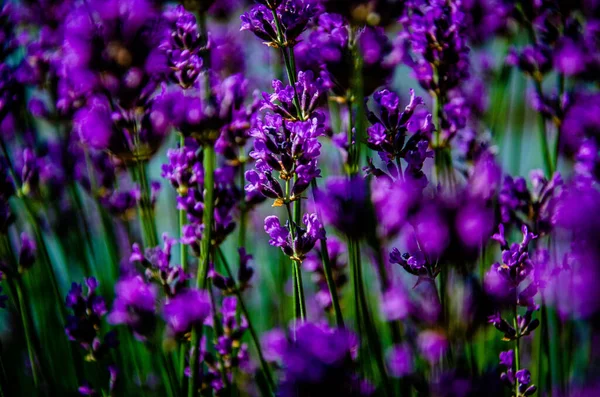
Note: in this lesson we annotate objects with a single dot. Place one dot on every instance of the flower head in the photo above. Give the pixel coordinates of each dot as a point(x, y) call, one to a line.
point(135, 305)
point(185, 310)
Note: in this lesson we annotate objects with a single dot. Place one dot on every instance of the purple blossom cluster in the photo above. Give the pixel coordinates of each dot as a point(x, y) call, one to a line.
point(397, 144)
point(82, 327)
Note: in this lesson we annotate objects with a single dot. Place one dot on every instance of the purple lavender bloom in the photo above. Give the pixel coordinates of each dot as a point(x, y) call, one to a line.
point(84, 324)
point(229, 346)
point(388, 134)
point(432, 345)
point(521, 206)
point(504, 279)
point(393, 201)
point(293, 16)
point(184, 168)
point(317, 363)
point(201, 116)
point(395, 303)
point(581, 120)
point(344, 204)
point(532, 60)
point(114, 47)
point(400, 361)
point(486, 19)
point(27, 252)
point(124, 134)
point(298, 242)
point(227, 199)
point(135, 306)
point(435, 34)
point(523, 376)
point(157, 264)
point(187, 309)
point(288, 147)
point(309, 90)
point(184, 47)
point(507, 358)
point(328, 52)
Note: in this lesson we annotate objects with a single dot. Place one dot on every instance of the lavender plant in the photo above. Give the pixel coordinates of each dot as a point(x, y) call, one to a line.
point(299, 198)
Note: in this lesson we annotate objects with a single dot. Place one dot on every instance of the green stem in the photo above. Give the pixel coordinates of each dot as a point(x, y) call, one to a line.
point(561, 91)
point(24, 311)
point(145, 209)
point(299, 285)
point(263, 363)
point(183, 348)
point(547, 158)
point(45, 257)
point(289, 60)
point(374, 342)
point(517, 357)
point(209, 163)
point(218, 329)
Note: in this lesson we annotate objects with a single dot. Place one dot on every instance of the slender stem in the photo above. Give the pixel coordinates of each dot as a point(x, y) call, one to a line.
point(24, 311)
point(45, 256)
point(301, 303)
point(517, 357)
point(218, 329)
point(145, 208)
point(372, 337)
point(263, 363)
point(289, 60)
point(183, 348)
point(349, 137)
point(561, 91)
point(547, 158)
point(208, 218)
point(3, 380)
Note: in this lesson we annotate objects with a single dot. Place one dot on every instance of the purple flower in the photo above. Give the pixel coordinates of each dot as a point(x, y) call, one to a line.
point(319, 359)
point(388, 134)
point(114, 47)
point(432, 345)
point(292, 15)
point(288, 147)
point(298, 242)
point(84, 324)
point(523, 376)
point(344, 204)
point(328, 52)
point(27, 252)
point(157, 263)
point(201, 116)
point(187, 309)
point(395, 304)
point(435, 35)
point(504, 279)
point(400, 361)
point(309, 91)
point(507, 358)
point(135, 305)
point(184, 47)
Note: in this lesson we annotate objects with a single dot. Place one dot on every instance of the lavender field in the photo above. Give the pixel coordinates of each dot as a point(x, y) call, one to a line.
point(300, 198)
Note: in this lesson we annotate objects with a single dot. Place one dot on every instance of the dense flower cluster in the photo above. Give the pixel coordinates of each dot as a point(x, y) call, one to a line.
point(82, 327)
point(397, 144)
point(317, 363)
